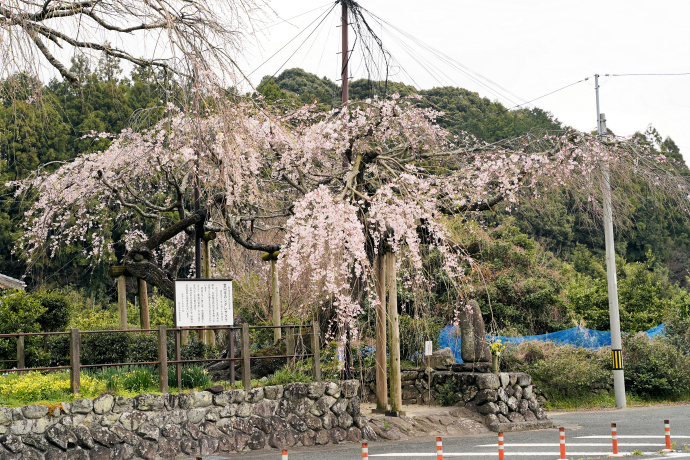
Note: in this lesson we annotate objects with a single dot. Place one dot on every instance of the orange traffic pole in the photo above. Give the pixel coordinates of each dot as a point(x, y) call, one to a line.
point(285, 455)
point(614, 441)
point(500, 446)
point(562, 431)
point(667, 430)
point(439, 448)
point(365, 450)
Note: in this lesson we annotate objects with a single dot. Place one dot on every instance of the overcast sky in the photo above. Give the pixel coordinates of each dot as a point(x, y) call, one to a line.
point(526, 48)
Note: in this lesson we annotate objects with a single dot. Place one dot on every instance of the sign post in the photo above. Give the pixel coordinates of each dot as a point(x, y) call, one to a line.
point(428, 351)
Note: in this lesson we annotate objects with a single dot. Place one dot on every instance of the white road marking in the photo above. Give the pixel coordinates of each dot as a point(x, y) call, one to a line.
point(575, 444)
point(632, 436)
point(491, 454)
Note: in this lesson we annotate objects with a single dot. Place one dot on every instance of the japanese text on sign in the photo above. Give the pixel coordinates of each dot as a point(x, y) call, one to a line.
point(201, 302)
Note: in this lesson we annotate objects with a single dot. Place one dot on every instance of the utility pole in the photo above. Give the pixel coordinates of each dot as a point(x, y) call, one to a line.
point(614, 316)
point(346, 96)
point(345, 54)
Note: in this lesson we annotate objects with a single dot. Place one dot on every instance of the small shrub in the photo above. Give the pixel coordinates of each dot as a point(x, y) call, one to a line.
point(192, 377)
point(57, 311)
point(288, 375)
point(35, 386)
point(446, 394)
point(143, 348)
point(654, 367)
point(559, 370)
point(105, 348)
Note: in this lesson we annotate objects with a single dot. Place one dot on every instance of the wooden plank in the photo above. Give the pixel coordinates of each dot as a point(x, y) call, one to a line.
point(231, 352)
point(162, 359)
point(246, 361)
point(117, 270)
point(143, 305)
point(21, 364)
point(275, 302)
point(75, 368)
point(209, 336)
point(316, 350)
point(178, 357)
point(394, 352)
point(381, 367)
point(122, 301)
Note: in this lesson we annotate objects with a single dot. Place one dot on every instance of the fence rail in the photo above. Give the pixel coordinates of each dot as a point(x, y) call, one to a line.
point(75, 365)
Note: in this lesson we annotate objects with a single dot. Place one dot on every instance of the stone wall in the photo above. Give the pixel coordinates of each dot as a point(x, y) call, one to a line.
point(503, 398)
point(187, 424)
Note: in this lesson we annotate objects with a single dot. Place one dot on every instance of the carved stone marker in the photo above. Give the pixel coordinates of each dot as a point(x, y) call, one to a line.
point(474, 348)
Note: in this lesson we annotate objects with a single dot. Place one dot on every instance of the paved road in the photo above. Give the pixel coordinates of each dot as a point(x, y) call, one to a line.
point(588, 436)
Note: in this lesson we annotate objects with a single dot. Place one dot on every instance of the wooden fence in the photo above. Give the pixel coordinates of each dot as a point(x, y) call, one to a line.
point(245, 348)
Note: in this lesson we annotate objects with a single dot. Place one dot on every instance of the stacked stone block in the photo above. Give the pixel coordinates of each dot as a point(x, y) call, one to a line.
point(506, 397)
point(188, 424)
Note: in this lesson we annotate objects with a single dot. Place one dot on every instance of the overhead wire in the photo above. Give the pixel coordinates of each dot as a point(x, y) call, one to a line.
point(293, 39)
point(527, 102)
point(470, 73)
point(647, 74)
point(294, 17)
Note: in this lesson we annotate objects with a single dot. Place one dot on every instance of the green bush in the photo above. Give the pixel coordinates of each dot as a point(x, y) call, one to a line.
point(288, 374)
point(654, 368)
point(105, 348)
point(192, 377)
point(19, 312)
point(560, 370)
point(446, 394)
point(57, 311)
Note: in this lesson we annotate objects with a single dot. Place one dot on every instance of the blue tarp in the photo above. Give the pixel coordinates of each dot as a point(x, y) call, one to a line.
point(576, 336)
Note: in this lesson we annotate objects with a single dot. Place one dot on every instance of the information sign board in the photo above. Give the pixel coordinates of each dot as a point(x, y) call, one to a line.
point(428, 348)
point(203, 302)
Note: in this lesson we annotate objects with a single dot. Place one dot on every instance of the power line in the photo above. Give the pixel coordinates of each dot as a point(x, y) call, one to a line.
point(528, 102)
point(647, 74)
point(325, 15)
point(294, 17)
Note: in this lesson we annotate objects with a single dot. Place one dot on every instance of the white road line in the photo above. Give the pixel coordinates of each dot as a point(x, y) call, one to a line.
point(672, 455)
point(491, 454)
point(575, 444)
point(632, 436)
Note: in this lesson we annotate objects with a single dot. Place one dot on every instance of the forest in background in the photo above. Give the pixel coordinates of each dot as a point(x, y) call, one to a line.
point(539, 265)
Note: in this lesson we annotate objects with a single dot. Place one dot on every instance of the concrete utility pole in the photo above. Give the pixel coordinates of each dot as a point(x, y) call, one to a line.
point(616, 345)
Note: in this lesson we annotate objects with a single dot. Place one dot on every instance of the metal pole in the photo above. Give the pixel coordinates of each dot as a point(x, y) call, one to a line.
point(614, 316)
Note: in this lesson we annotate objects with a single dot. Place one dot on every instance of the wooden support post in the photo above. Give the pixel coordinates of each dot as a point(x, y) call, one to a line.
point(275, 301)
point(394, 353)
point(143, 305)
point(74, 365)
point(246, 358)
point(231, 352)
point(185, 336)
point(21, 364)
point(381, 377)
point(122, 301)
point(316, 359)
point(290, 342)
point(178, 357)
point(162, 359)
point(210, 334)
